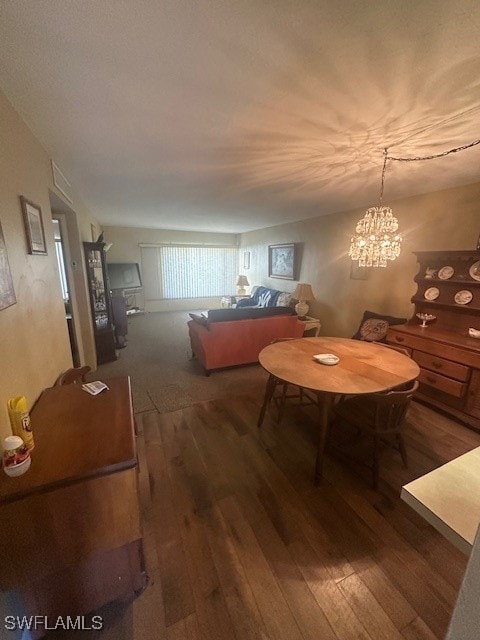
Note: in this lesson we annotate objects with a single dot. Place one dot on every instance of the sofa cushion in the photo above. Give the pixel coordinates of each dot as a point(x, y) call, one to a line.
point(247, 313)
point(266, 297)
point(245, 302)
point(374, 326)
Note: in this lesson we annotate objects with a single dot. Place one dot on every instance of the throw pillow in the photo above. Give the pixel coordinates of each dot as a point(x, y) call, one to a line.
point(374, 326)
point(200, 319)
point(284, 299)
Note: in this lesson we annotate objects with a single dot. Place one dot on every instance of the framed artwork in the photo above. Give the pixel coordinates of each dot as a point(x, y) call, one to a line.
point(359, 273)
point(7, 293)
point(32, 218)
point(281, 261)
point(246, 260)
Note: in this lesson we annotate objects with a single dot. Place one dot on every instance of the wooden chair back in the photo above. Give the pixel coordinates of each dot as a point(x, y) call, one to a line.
point(390, 408)
point(73, 375)
point(381, 415)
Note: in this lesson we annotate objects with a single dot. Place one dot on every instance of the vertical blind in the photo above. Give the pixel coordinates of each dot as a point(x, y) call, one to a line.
point(173, 271)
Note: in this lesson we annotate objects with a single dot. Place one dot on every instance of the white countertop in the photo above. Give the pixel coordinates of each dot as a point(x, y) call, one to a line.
point(449, 499)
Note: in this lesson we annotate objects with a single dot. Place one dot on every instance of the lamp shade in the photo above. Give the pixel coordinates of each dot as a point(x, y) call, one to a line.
point(303, 292)
point(243, 281)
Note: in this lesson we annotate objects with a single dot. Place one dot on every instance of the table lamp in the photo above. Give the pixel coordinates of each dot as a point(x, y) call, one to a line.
point(242, 282)
point(302, 293)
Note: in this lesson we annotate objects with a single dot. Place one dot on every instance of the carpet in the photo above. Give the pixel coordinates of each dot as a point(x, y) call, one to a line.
point(163, 374)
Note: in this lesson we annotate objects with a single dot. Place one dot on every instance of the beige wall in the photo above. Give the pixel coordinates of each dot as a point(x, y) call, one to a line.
point(34, 344)
point(447, 219)
point(126, 248)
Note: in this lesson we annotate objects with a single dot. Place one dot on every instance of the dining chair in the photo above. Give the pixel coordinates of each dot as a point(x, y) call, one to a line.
point(280, 397)
point(299, 393)
point(381, 416)
point(72, 376)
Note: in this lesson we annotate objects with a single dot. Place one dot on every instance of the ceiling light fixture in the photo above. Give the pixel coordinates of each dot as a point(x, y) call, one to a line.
point(377, 238)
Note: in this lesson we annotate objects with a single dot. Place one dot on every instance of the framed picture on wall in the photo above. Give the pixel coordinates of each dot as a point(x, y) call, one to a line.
point(281, 261)
point(7, 293)
point(32, 218)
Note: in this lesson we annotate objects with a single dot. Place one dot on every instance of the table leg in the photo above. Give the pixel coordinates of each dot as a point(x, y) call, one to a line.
point(270, 388)
point(325, 403)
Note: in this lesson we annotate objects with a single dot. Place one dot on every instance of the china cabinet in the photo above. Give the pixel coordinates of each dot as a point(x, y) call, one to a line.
point(100, 302)
point(448, 296)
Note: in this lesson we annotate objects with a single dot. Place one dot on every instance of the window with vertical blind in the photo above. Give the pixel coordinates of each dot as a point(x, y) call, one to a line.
point(186, 271)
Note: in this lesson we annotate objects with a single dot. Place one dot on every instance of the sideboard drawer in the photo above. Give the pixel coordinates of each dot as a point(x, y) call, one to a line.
point(440, 365)
point(440, 349)
point(447, 385)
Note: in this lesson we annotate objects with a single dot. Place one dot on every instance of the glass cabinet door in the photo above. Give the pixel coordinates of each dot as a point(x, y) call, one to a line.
point(98, 289)
point(100, 301)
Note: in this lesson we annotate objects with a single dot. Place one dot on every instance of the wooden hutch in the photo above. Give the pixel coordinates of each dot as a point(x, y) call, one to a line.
point(448, 287)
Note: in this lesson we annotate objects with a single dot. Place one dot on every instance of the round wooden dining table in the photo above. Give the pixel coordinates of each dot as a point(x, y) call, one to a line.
point(363, 367)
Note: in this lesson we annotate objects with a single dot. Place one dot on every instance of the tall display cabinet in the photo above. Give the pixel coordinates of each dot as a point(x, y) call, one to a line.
point(100, 301)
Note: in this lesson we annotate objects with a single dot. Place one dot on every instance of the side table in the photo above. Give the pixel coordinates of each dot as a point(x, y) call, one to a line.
point(312, 326)
point(226, 302)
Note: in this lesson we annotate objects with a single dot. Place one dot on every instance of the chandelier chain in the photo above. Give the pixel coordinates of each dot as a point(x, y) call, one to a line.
point(384, 170)
point(437, 155)
point(377, 239)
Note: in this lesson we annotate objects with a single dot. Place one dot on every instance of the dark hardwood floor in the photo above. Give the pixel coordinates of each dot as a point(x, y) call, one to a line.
point(240, 544)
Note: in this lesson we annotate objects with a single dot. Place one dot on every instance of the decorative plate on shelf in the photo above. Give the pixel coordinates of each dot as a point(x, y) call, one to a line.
point(474, 271)
point(432, 293)
point(445, 273)
point(463, 297)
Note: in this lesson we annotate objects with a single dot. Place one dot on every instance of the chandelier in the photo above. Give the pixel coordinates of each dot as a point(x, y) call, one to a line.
point(376, 238)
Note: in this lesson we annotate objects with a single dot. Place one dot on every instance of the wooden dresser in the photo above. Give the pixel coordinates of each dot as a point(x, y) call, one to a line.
point(70, 536)
point(448, 286)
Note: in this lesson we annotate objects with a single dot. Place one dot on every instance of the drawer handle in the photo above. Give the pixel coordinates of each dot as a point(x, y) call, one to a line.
point(437, 365)
point(399, 339)
point(430, 379)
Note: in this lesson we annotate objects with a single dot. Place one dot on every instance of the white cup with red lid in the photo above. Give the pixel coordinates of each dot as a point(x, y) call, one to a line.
point(16, 456)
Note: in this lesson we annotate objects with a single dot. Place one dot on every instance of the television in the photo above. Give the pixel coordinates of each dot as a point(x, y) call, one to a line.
point(124, 275)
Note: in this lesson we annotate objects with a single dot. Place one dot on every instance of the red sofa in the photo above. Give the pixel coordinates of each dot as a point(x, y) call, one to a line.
point(224, 344)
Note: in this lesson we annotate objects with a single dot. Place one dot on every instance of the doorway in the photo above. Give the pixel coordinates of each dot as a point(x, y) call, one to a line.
point(61, 251)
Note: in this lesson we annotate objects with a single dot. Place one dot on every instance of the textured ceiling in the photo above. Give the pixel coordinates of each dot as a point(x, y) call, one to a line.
point(237, 115)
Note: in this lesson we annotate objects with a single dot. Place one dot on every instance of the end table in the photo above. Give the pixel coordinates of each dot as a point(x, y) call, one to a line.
point(312, 326)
